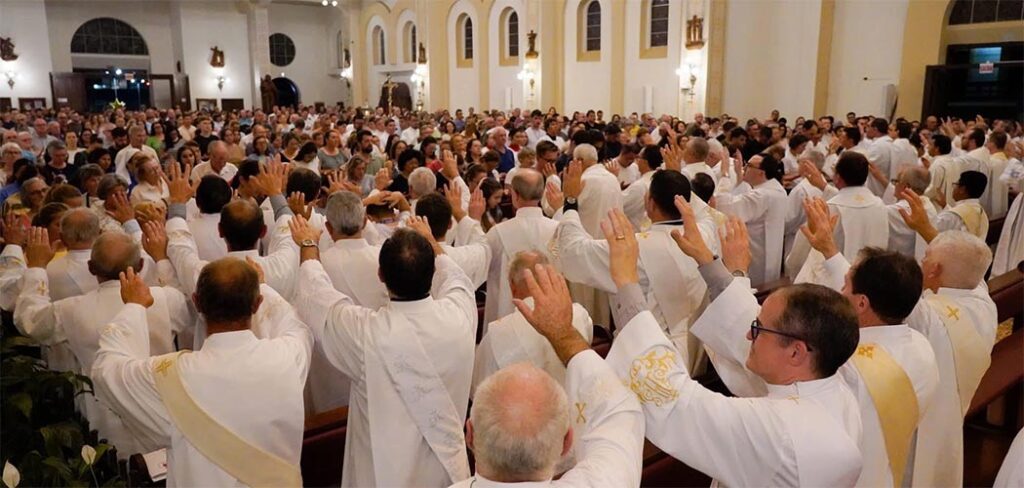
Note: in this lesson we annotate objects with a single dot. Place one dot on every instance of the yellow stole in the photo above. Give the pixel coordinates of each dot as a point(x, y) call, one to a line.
point(246, 462)
point(895, 401)
point(970, 355)
point(974, 218)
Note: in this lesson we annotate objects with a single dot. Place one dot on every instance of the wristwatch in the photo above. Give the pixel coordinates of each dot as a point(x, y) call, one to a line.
point(570, 200)
point(739, 273)
point(307, 243)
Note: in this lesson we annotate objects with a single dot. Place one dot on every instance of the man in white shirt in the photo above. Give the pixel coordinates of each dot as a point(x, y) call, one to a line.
point(187, 131)
point(444, 216)
point(977, 158)
point(879, 151)
point(228, 413)
point(624, 165)
point(522, 422)
point(535, 131)
point(945, 171)
point(529, 230)
point(904, 154)
point(648, 161)
point(966, 212)
point(805, 430)
point(78, 321)
point(212, 194)
point(551, 128)
point(795, 215)
point(136, 143)
point(760, 202)
point(511, 339)
point(407, 406)
point(217, 164)
point(69, 275)
point(902, 238)
point(695, 155)
point(998, 190)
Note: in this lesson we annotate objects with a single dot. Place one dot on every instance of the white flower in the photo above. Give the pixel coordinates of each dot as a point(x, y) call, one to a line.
point(11, 475)
point(88, 454)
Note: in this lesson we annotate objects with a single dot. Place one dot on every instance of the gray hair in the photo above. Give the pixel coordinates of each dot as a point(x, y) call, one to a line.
point(815, 157)
point(112, 254)
point(700, 148)
point(79, 226)
point(964, 258)
point(422, 181)
point(520, 417)
point(585, 152)
point(135, 129)
point(916, 179)
point(345, 213)
point(108, 183)
point(11, 146)
point(522, 261)
point(528, 184)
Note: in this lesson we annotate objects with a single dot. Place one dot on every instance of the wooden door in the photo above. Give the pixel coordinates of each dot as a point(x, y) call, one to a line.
point(68, 90)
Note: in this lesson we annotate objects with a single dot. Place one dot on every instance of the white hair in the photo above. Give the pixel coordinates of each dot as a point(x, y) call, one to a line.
point(964, 258)
point(422, 182)
point(520, 417)
point(345, 213)
point(11, 146)
point(585, 152)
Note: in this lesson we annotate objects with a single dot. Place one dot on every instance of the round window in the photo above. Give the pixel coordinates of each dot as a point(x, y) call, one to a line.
point(282, 50)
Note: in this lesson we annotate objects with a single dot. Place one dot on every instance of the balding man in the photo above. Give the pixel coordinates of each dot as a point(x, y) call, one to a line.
point(511, 339)
point(529, 230)
point(217, 164)
point(69, 274)
point(229, 414)
point(136, 143)
point(695, 155)
point(902, 238)
point(78, 321)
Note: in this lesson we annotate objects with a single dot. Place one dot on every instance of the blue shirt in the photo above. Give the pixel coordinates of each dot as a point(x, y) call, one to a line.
point(9, 190)
point(507, 162)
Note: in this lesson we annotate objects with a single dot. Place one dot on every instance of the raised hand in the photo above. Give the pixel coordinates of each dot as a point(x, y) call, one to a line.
point(553, 195)
point(623, 250)
point(735, 245)
point(297, 204)
point(38, 251)
point(383, 179)
point(154, 240)
point(917, 217)
point(551, 315)
point(449, 165)
point(453, 192)
point(820, 227)
point(336, 182)
point(690, 241)
point(813, 174)
point(302, 231)
point(573, 184)
point(15, 229)
point(271, 179)
point(673, 157)
point(178, 184)
point(376, 198)
point(738, 164)
point(477, 205)
point(122, 209)
point(134, 290)
point(397, 200)
point(422, 227)
point(613, 167)
point(547, 169)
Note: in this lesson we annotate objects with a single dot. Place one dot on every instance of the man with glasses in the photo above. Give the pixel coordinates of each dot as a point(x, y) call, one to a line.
point(806, 428)
point(966, 212)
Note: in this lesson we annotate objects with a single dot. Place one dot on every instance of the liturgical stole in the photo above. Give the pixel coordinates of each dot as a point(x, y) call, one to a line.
point(893, 395)
point(971, 356)
point(236, 456)
point(973, 215)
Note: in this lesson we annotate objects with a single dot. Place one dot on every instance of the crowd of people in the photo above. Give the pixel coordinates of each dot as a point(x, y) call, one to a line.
point(222, 276)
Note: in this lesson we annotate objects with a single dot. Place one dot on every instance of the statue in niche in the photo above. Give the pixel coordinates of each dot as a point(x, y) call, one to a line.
point(423, 54)
point(7, 49)
point(217, 60)
point(531, 38)
point(268, 94)
point(348, 58)
point(394, 94)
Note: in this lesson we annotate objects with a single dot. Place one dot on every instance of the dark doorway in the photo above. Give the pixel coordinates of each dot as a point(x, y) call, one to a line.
point(103, 86)
point(977, 79)
point(287, 92)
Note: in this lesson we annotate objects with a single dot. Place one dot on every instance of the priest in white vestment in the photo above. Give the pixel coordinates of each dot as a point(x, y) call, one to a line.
point(997, 197)
point(959, 319)
point(902, 238)
point(411, 362)
point(511, 339)
point(523, 421)
point(672, 287)
point(69, 275)
point(648, 162)
point(212, 195)
point(529, 230)
point(229, 414)
point(795, 216)
point(77, 322)
point(966, 213)
point(904, 154)
point(945, 170)
point(879, 152)
point(806, 431)
point(445, 216)
point(1010, 248)
point(760, 202)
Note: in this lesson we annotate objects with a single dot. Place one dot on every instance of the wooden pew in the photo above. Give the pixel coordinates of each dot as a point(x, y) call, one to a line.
point(323, 448)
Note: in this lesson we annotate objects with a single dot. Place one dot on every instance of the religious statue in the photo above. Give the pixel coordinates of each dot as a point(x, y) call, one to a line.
point(394, 94)
point(348, 58)
point(268, 93)
point(7, 49)
point(389, 86)
point(423, 54)
point(695, 33)
point(217, 60)
point(531, 38)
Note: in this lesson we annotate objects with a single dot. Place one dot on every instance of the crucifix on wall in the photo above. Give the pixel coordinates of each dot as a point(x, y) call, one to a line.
point(695, 33)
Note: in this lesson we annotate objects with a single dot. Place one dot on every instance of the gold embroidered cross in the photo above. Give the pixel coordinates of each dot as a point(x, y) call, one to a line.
point(163, 366)
point(580, 418)
point(866, 351)
point(41, 288)
point(858, 199)
point(953, 312)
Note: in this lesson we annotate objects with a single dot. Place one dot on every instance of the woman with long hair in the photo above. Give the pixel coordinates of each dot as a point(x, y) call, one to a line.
point(493, 192)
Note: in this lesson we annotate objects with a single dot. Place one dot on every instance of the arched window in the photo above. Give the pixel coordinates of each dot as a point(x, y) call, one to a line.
point(508, 39)
point(108, 36)
point(379, 57)
point(659, 23)
point(981, 11)
point(513, 34)
point(464, 32)
point(592, 39)
point(412, 43)
point(409, 52)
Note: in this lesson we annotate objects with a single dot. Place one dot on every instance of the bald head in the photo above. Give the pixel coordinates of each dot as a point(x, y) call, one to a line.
point(112, 254)
point(915, 178)
point(218, 152)
point(527, 188)
point(79, 228)
point(519, 424)
point(521, 263)
point(228, 292)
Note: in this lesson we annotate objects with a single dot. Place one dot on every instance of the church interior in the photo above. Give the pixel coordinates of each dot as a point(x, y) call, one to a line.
point(191, 136)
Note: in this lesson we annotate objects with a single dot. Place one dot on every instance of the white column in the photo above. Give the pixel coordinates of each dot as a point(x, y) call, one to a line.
point(259, 45)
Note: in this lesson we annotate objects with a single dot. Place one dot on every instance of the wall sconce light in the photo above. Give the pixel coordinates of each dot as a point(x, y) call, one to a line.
point(419, 79)
point(10, 75)
point(688, 72)
point(220, 82)
point(527, 74)
point(346, 74)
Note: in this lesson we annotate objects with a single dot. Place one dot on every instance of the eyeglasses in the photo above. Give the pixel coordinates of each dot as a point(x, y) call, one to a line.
point(756, 328)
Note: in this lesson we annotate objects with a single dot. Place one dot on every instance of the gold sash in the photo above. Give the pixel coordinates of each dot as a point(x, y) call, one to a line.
point(970, 356)
point(246, 462)
point(895, 401)
point(974, 219)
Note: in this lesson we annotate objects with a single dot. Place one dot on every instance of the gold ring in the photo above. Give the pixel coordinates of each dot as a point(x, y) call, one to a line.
point(620, 238)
